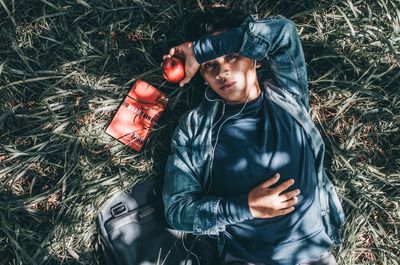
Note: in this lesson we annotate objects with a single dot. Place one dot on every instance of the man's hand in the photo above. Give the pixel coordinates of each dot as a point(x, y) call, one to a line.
point(265, 202)
point(186, 53)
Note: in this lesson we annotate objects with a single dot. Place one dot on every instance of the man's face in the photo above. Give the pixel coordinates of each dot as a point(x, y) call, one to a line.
point(232, 77)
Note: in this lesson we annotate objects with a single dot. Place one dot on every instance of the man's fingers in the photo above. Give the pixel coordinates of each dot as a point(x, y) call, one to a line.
point(184, 81)
point(271, 181)
point(283, 186)
point(290, 202)
point(166, 56)
point(171, 53)
point(285, 211)
point(289, 195)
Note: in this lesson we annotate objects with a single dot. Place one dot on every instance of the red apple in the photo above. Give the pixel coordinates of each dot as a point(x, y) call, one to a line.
point(173, 69)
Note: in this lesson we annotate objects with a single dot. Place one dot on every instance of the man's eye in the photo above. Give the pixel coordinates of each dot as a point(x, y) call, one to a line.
point(232, 56)
point(207, 65)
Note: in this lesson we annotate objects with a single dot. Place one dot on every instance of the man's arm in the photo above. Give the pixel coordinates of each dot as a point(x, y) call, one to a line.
point(189, 208)
point(274, 38)
point(186, 207)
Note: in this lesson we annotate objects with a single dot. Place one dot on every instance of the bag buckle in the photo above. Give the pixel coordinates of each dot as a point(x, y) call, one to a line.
point(118, 209)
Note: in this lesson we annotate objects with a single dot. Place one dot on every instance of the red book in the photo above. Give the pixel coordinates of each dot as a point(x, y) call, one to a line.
point(137, 114)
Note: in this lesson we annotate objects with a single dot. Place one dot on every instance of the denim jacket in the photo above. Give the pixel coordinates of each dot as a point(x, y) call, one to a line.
point(188, 167)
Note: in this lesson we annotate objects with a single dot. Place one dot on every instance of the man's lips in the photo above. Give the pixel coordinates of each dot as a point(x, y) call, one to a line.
point(227, 85)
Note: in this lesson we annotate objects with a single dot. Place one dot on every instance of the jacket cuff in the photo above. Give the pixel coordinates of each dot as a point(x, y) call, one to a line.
point(213, 46)
point(205, 218)
point(234, 210)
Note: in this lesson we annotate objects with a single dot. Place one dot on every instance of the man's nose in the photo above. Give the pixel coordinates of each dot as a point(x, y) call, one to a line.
point(223, 72)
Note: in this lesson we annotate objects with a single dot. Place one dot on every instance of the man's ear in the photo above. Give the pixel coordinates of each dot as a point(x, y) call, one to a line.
point(258, 64)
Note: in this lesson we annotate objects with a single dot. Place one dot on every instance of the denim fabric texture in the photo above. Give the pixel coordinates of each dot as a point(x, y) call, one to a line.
point(188, 167)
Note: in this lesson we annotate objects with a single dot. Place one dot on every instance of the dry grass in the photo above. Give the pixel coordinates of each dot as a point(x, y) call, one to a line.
point(66, 65)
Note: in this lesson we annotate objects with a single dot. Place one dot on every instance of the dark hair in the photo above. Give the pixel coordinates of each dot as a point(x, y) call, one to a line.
point(202, 23)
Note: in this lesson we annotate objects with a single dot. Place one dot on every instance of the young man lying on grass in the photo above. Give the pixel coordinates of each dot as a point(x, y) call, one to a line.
point(247, 163)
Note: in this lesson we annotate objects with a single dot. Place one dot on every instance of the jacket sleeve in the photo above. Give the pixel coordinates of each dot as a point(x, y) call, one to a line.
point(274, 38)
point(186, 206)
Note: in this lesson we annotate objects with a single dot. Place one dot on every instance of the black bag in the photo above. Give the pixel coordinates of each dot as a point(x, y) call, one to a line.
point(132, 231)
